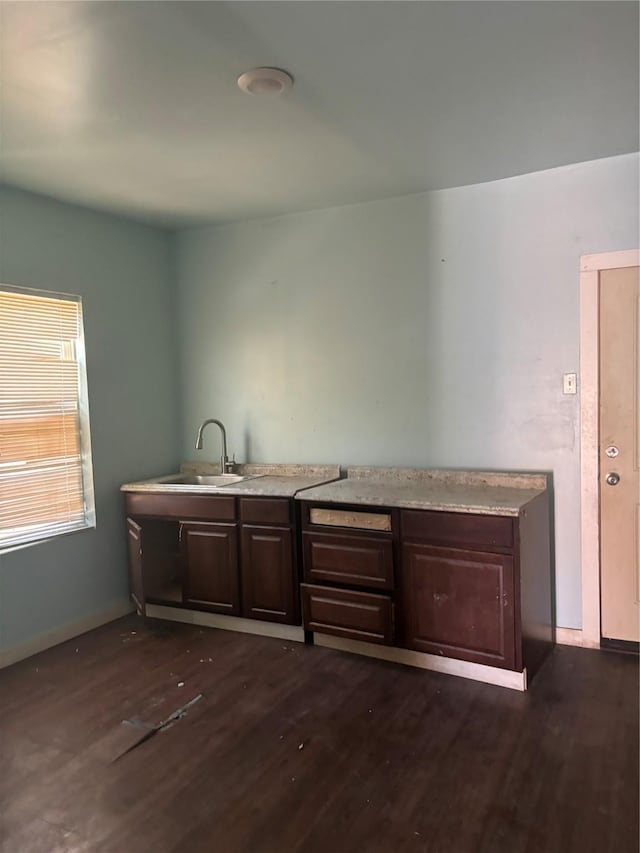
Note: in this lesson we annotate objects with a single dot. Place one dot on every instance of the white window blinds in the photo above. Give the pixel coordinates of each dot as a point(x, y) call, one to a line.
point(45, 459)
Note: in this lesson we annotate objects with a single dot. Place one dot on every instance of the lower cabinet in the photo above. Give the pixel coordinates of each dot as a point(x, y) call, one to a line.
point(473, 587)
point(458, 585)
point(218, 554)
point(458, 603)
point(210, 564)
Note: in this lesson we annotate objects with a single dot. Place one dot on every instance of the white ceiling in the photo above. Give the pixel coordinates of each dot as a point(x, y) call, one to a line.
point(133, 107)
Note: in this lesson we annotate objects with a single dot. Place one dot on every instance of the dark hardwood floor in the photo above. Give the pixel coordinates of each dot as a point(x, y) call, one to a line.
point(296, 749)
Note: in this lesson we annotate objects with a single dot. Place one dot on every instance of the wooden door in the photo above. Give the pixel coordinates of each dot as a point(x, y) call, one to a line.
point(458, 603)
point(267, 570)
point(210, 565)
point(136, 583)
point(619, 454)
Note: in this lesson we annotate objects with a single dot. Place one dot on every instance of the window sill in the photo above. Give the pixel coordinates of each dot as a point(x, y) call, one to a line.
point(45, 537)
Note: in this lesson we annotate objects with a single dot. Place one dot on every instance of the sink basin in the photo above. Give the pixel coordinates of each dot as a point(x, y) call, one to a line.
point(206, 480)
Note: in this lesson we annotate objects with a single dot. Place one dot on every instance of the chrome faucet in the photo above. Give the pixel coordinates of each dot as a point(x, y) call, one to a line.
point(226, 467)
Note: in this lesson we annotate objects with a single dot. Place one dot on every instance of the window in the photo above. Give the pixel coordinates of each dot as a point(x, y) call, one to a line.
point(46, 481)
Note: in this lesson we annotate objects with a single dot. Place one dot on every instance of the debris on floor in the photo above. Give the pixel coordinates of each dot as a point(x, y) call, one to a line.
point(131, 733)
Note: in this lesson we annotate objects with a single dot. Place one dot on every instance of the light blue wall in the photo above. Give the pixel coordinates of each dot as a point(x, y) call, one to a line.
point(123, 272)
point(428, 330)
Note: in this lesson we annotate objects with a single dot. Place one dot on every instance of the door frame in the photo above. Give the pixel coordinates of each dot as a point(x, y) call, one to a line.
point(590, 267)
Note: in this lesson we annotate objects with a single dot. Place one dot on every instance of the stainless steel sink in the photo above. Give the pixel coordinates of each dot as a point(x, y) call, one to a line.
point(206, 480)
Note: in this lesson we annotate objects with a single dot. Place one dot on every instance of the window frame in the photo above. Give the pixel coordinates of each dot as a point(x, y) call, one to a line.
point(84, 435)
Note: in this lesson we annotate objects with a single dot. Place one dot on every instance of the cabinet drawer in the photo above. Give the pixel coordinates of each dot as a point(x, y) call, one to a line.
point(456, 528)
point(348, 559)
point(208, 507)
point(356, 615)
point(265, 510)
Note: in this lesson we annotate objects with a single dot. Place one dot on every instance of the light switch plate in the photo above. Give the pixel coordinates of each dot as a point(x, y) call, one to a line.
point(569, 383)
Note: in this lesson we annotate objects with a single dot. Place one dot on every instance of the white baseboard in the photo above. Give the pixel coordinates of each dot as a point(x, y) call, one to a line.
point(449, 666)
point(574, 637)
point(64, 633)
point(293, 633)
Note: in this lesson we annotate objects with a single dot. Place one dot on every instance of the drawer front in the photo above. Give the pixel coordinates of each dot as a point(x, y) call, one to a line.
point(356, 615)
point(208, 507)
point(265, 510)
point(348, 559)
point(456, 528)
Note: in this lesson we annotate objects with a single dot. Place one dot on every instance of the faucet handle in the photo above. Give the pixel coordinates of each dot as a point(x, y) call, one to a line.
point(230, 467)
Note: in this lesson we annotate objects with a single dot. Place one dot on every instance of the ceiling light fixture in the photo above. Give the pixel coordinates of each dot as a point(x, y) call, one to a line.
point(265, 81)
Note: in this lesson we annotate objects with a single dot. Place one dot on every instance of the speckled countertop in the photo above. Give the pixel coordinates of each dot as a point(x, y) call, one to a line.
point(282, 481)
point(475, 492)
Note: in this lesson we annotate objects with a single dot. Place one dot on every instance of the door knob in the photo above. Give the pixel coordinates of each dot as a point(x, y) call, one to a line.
point(613, 479)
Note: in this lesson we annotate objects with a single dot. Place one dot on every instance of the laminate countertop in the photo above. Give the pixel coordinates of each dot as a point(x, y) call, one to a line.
point(474, 492)
point(274, 480)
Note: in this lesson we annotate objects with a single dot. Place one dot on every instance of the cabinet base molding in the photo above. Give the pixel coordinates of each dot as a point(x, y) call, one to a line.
point(293, 633)
point(449, 666)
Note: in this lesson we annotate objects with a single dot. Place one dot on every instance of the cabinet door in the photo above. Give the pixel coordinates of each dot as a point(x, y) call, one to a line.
point(210, 565)
point(136, 584)
point(459, 604)
point(268, 582)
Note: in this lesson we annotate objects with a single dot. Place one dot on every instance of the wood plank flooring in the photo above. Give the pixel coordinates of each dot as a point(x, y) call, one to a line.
point(297, 749)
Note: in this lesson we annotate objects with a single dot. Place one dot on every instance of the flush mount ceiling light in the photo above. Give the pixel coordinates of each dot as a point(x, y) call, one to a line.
point(265, 81)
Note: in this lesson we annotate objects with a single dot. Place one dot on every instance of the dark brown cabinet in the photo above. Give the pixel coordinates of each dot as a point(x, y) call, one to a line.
point(217, 553)
point(269, 560)
point(458, 603)
point(470, 586)
point(210, 565)
point(477, 587)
